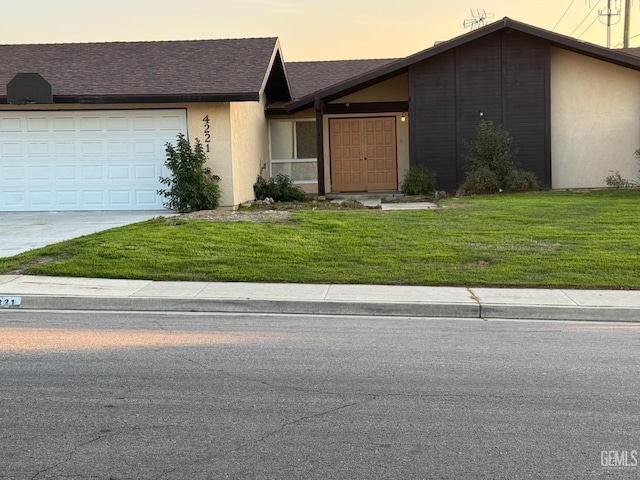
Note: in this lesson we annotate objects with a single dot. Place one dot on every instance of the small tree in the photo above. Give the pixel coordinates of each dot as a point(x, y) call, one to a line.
point(191, 185)
point(491, 165)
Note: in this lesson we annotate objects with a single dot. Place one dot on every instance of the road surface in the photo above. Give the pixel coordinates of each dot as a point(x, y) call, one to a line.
point(203, 396)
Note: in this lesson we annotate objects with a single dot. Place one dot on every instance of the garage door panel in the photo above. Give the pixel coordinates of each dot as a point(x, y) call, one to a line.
point(64, 124)
point(170, 122)
point(117, 124)
point(90, 124)
point(37, 124)
point(11, 124)
point(85, 160)
point(10, 149)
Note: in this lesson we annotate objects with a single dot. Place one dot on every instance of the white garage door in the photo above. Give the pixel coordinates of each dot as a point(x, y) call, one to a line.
point(85, 160)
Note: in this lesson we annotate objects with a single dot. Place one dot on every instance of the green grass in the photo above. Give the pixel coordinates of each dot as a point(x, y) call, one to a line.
point(582, 239)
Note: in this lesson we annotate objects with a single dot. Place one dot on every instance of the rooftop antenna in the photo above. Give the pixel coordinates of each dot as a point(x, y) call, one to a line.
point(479, 19)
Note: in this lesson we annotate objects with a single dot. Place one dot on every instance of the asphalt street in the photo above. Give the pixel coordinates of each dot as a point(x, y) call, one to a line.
point(201, 396)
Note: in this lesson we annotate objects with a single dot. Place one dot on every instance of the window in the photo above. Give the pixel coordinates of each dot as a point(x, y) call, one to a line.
point(293, 150)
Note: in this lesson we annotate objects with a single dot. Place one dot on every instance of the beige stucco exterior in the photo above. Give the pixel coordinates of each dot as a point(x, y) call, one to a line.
point(395, 89)
point(249, 147)
point(595, 120)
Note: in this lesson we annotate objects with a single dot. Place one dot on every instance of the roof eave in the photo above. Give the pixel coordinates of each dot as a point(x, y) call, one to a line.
point(150, 99)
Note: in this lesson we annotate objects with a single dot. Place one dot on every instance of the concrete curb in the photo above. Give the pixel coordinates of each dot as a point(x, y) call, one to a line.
point(577, 313)
point(164, 304)
point(305, 307)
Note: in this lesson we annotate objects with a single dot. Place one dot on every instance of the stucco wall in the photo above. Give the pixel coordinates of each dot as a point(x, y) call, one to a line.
point(395, 89)
point(220, 153)
point(595, 120)
point(250, 147)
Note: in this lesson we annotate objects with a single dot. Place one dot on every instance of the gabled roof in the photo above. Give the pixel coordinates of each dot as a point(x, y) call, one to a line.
point(202, 70)
point(308, 77)
point(400, 66)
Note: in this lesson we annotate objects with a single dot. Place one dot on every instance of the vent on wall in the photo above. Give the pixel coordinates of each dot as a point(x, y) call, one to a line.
point(26, 88)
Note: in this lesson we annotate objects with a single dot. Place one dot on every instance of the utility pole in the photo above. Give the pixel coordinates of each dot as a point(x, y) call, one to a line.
point(608, 14)
point(627, 23)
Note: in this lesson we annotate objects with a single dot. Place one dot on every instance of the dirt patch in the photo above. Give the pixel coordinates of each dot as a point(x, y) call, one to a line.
point(258, 216)
point(269, 212)
point(33, 263)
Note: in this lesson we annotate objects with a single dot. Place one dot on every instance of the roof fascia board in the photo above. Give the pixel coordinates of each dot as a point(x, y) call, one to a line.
point(148, 99)
point(277, 53)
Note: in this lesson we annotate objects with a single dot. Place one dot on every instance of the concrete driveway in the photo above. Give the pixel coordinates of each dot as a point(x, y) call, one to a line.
point(22, 231)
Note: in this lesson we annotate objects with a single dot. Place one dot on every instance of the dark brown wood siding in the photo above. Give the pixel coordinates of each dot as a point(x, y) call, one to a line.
point(432, 135)
point(504, 78)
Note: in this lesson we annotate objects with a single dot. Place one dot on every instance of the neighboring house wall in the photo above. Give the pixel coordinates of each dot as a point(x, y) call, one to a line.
point(503, 78)
point(249, 145)
point(595, 118)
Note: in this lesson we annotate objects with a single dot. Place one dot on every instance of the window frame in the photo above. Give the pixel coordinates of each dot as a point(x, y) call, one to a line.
point(295, 149)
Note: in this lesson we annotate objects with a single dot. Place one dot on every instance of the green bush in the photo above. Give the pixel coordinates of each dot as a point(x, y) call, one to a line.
point(491, 165)
point(191, 185)
point(279, 189)
point(519, 180)
point(482, 180)
point(616, 180)
point(418, 180)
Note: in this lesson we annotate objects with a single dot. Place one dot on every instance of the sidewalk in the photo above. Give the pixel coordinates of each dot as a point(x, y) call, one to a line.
point(64, 293)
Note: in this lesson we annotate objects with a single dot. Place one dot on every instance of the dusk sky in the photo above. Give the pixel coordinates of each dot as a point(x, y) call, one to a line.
point(308, 30)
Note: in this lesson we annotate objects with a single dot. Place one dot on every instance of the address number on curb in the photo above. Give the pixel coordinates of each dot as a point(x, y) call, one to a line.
point(8, 302)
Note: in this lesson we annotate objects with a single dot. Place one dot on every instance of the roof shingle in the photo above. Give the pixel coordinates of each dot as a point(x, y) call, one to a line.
point(198, 67)
point(309, 77)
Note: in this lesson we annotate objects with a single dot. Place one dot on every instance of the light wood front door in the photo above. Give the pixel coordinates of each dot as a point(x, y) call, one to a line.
point(363, 154)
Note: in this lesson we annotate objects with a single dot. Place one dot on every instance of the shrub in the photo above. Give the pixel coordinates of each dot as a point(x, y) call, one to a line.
point(491, 164)
point(191, 185)
point(418, 181)
point(616, 180)
point(280, 189)
point(481, 179)
point(519, 180)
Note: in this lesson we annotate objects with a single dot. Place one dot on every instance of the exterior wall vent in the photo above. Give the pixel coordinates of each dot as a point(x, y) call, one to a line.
point(28, 88)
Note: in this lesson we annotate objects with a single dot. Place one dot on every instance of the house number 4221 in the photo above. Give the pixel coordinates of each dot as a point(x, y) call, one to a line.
point(207, 133)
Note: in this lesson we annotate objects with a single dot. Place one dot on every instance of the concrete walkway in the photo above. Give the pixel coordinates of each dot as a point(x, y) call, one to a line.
point(63, 293)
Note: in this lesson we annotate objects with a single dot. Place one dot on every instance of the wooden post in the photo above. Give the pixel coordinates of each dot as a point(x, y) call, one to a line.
point(319, 107)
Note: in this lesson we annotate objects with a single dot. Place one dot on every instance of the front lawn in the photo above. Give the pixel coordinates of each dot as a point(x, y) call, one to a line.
point(583, 239)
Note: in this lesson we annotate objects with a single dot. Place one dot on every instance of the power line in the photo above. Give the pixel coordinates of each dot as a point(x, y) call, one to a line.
point(563, 15)
point(630, 38)
point(585, 18)
point(590, 25)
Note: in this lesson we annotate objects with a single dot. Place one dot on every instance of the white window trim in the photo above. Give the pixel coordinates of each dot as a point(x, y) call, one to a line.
point(295, 153)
